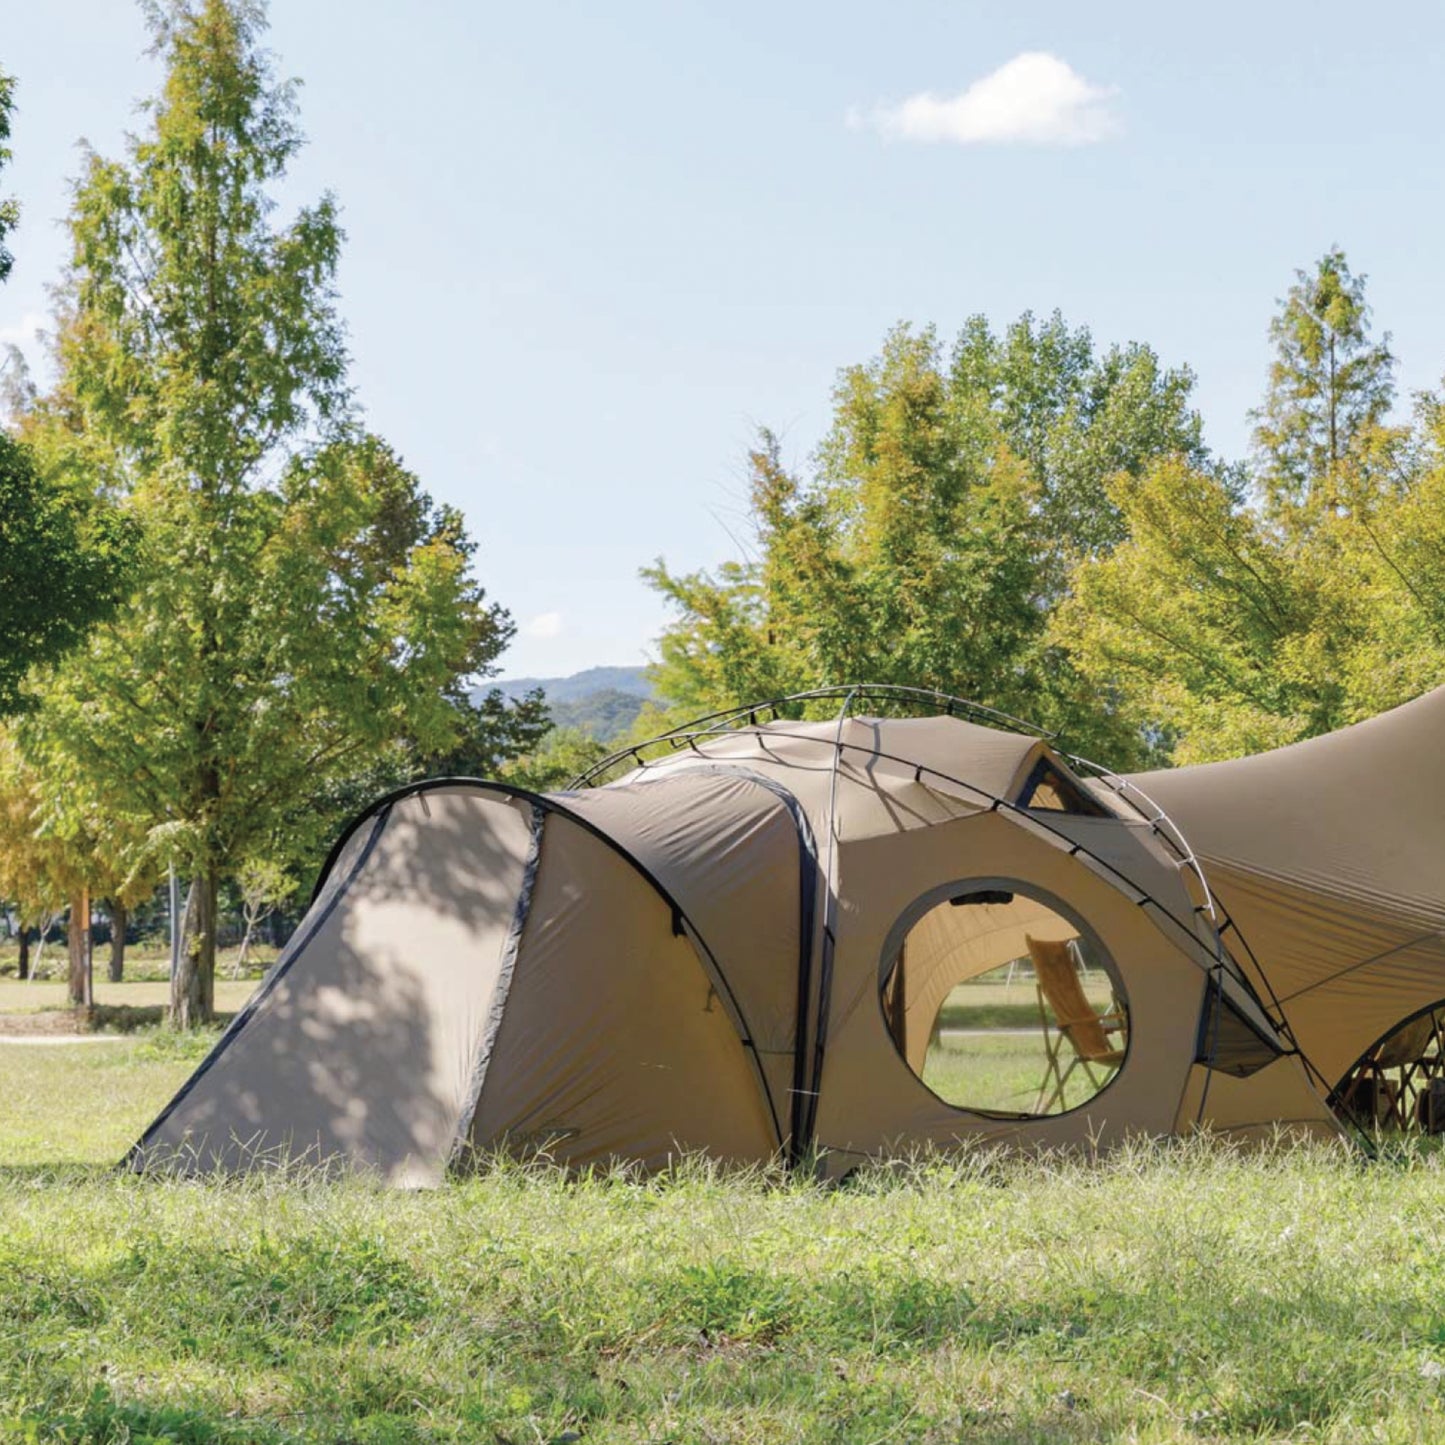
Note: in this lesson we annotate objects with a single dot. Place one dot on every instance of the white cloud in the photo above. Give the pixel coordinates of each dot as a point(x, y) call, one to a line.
point(1034, 99)
point(545, 624)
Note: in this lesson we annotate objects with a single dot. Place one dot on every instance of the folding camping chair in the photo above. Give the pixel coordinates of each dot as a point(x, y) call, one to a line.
point(1075, 1019)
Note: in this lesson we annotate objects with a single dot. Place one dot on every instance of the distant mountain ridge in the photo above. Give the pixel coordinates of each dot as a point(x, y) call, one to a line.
point(632, 680)
point(600, 701)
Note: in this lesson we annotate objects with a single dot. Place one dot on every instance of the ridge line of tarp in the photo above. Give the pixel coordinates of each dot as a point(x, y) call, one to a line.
point(1364, 963)
point(491, 1025)
point(549, 803)
point(296, 945)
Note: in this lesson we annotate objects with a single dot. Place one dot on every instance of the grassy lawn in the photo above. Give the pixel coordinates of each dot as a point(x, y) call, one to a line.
point(34, 996)
point(989, 1003)
point(87, 1103)
point(1002, 1073)
point(146, 962)
point(1170, 1293)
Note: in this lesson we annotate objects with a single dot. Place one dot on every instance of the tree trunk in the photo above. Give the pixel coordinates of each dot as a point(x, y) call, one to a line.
point(23, 967)
point(82, 993)
point(240, 963)
point(46, 919)
point(119, 915)
point(193, 989)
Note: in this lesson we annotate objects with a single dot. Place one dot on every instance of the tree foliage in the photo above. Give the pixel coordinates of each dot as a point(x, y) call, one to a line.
point(64, 562)
point(303, 614)
point(1330, 383)
point(1245, 613)
point(934, 533)
point(9, 206)
point(63, 551)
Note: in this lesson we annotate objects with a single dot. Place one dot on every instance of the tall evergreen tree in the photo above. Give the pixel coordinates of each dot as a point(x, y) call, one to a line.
point(302, 612)
point(1329, 384)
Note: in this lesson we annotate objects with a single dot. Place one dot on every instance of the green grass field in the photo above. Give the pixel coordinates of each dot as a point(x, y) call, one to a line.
point(990, 1003)
point(40, 995)
point(1178, 1292)
point(1002, 1073)
point(145, 962)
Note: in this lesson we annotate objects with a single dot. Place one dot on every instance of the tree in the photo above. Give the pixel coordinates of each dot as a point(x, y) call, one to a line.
point(1329, 383)
point(32, 875)
point(1076, 419)
point(64, 562)
point(1215, 637)
point(1225, 634)
point(562, 755)
point(262, 886)
point(490, 732)
point(1239, 617)
point(931, 541)
point(63, 552)
point(302, 612)
point(9, 207)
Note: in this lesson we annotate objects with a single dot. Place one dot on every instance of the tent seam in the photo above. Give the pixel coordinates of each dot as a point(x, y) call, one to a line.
point(502, 992)
point(807, 927)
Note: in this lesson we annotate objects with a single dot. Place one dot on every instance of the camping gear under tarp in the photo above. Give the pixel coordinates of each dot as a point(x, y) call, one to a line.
point(734, 948)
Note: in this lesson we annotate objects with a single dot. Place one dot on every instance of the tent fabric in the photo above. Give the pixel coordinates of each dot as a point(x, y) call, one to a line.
point(633, 1056)
point(742, 863)
point(1327, 856)
point(695, 957)
point(364, 1043)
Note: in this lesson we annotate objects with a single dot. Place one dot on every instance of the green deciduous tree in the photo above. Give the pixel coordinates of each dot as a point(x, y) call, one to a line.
point(9, 207)
point(1076, 418)
point(934, 534)
point(33, 873)
point(303, 613)
point(1245, 613)
point(1204, 622)
point(63, 551)
point(64, 559)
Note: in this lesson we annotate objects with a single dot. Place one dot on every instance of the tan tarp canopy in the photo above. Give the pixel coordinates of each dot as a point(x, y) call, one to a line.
point(1329, 856)
point(694, 958)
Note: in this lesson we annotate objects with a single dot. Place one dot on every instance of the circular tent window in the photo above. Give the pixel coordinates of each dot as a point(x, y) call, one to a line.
point(1001, 1002)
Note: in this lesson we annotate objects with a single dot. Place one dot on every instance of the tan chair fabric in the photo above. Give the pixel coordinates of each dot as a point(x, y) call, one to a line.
point(1077, 1021)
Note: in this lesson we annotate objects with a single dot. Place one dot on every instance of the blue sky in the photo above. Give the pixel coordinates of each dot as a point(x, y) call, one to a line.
point(592, 247)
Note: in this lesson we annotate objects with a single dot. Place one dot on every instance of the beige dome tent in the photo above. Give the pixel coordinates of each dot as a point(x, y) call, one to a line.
point(1329, 857)
point(743, 946)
